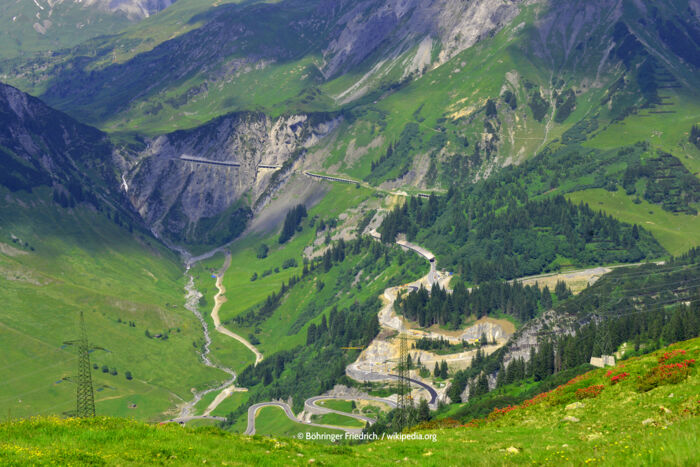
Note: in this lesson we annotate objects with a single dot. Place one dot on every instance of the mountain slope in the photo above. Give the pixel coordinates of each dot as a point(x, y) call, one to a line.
point(45, 25)
point(41, 146)
point(509, 110)
point(69, 243)
point(504, 91)
point(421, 99)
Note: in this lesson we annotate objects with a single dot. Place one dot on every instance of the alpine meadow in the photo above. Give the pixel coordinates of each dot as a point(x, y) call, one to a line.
point(333, 232)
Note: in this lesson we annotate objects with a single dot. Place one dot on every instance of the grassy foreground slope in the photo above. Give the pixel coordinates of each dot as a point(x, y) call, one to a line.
point(270, 421)
point(626, 424)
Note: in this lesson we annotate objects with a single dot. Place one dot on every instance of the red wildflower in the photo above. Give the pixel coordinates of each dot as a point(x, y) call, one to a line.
point(666, 373)
point(617, 378)
point(669, 355)
point(589, 392)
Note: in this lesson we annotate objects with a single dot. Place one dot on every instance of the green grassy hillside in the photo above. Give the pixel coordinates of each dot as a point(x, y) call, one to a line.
point(55, 262)
point(677, 232)
point(642, 412)
point(31, 27)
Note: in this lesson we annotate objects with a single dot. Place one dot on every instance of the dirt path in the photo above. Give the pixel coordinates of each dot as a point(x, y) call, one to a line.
point(192, 297)
point(192, 303)
point(221, 397)
point(219, 300)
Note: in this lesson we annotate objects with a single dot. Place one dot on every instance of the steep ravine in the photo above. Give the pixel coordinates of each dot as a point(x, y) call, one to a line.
point(210, 203)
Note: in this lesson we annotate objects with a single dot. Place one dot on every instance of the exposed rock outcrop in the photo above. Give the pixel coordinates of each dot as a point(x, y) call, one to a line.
point(186, 200)
point(549, 323)
point(400, 25)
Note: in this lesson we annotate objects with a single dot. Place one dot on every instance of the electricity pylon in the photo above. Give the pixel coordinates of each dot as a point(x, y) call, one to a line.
point(85, 393)
point(404, 386)
point(85, 406)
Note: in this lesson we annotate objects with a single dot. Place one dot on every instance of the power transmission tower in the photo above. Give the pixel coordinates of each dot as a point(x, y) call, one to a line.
point(86, 396)
point(404, 386)
point(85, 406)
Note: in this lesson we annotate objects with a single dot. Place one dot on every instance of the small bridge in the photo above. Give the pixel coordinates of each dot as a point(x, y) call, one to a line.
point(201, 160)
point(326, 177)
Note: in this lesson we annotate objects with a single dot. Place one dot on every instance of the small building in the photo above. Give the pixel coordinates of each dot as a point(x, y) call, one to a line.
point(603, 361)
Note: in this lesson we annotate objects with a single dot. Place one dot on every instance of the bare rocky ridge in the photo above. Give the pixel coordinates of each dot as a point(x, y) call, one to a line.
point(402, 24)
point(135, 8)
point(396, 27)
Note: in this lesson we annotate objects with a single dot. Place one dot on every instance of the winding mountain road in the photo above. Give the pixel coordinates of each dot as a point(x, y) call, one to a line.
point(310, 404)
point(388, 319)
point(353, 371)
point(253, 411)
point(311, 407)
point(433, 393)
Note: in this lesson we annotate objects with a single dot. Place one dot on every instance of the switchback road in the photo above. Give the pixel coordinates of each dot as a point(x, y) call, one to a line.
point(311, 406)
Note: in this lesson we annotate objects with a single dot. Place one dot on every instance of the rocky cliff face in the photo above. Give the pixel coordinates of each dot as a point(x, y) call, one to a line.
point(200, 201)
point(399, 25)
point(547, 325)
point(205, 201)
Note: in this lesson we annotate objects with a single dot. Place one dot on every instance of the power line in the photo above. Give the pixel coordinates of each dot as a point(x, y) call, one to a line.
point(612, 275)
point(690, 284)
point(669, 270)
point(659, 306)
point(654, 290)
